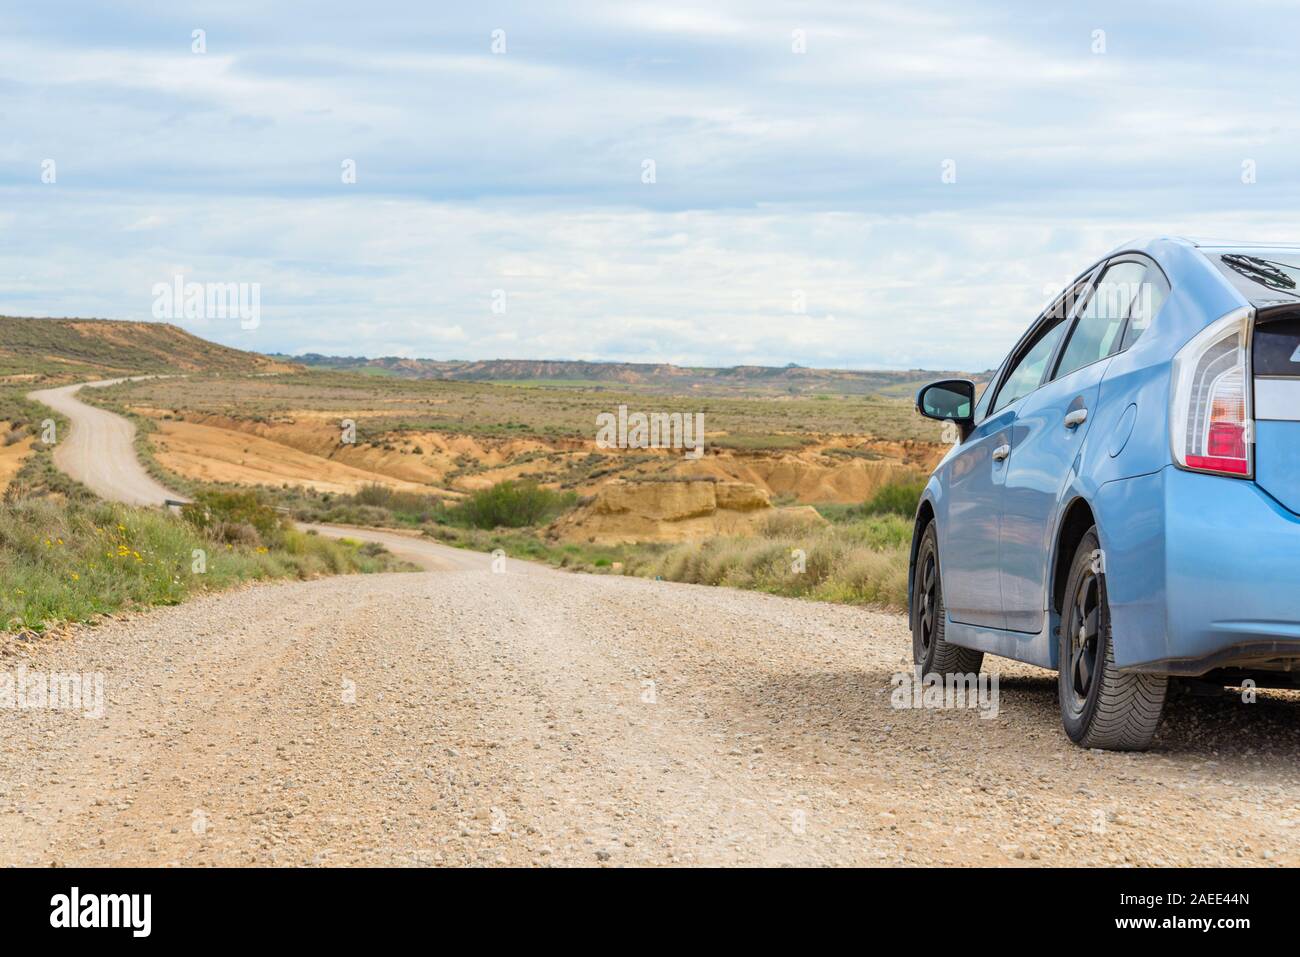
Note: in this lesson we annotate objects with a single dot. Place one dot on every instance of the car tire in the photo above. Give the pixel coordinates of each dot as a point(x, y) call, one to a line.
point(1101, 706)
point(930, 650)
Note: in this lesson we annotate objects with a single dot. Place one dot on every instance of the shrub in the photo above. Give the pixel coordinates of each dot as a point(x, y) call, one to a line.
point(380, 496)
point(511, 505)
point(896, 498)
point(235, 517)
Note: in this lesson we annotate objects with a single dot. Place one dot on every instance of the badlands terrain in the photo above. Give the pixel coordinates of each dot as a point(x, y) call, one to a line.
point(446, 439)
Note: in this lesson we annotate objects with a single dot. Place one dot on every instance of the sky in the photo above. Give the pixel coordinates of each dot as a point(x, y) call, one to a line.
point(849, 185)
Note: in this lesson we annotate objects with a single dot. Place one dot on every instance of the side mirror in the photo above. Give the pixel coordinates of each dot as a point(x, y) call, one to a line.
point(949, 400)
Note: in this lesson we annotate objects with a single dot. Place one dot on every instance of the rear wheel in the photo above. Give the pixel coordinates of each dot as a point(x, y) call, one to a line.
point(1101, 707)
point(929, 649)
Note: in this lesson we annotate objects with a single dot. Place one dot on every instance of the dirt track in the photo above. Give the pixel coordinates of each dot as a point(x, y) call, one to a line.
point(98, 451)
point(529, 716)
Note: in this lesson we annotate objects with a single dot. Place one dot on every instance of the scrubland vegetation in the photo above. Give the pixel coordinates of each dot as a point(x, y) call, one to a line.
point(551, 412)
point(74, 558)
point(859, 557)
point(511, 504)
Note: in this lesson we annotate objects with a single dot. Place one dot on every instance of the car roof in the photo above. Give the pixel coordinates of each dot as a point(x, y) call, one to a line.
point(1150, 243)
point(1240, 244)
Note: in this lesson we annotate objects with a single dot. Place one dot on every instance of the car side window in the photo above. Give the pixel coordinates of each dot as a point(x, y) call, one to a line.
point(1146, 305)
point(1027, 374)
point(1096, 334)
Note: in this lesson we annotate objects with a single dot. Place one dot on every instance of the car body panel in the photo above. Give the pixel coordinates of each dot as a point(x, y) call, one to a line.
point(1198, 566)
point(1044, 454)
point(1277, 461)
point(1037, 649)
point(970, 525)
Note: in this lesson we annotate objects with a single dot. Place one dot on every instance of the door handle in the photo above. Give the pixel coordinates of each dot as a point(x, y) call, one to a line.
point(1001, 452)
point(1076, 418)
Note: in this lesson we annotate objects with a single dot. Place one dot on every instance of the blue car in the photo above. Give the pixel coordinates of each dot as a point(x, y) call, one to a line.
point(1122, 501)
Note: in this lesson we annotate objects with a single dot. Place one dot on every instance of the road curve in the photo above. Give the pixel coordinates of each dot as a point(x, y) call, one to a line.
point(99, 452)
point(415, 549)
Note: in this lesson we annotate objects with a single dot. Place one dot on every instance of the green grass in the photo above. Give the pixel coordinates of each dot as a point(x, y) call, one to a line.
point(66, 561)
point(511, 505)
point(861, 562)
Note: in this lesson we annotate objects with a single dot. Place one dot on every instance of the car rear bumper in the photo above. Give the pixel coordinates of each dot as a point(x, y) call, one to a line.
point(1230, 590)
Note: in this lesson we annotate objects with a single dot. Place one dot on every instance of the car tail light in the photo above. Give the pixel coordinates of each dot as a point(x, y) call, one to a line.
point(1210, 416)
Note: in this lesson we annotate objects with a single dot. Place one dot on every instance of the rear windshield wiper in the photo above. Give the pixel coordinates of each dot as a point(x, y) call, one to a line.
point(1262, 271)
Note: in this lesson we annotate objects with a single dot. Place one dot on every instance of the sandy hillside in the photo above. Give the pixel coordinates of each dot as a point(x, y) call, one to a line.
point(12, 456)
point(211, 454)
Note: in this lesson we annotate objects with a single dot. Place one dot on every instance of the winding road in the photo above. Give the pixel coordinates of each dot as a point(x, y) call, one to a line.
point(518, 715)
point(99, 450)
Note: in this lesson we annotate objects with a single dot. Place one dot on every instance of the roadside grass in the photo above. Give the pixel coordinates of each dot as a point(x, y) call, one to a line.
point(858, 562)
point(893, 498)
point(65, 560)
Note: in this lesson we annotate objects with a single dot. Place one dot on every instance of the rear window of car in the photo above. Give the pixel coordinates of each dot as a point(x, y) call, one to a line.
point(1260, 274)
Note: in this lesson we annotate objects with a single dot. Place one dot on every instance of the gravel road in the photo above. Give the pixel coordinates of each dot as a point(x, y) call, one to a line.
point(98, 449)
point(520, 715)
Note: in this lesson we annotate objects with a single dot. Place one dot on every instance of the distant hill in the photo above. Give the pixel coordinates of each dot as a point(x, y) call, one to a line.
point(95, 346)
point(792, 379)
